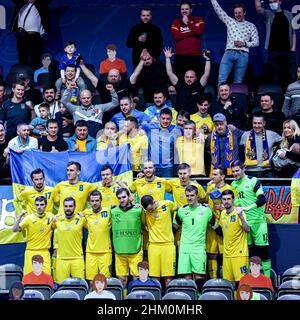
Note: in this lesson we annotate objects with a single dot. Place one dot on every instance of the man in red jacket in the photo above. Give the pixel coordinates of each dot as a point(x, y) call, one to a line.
point(187, 32)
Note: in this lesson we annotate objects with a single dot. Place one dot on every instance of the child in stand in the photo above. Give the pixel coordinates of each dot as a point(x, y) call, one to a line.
point(38, 124)
point(65, 121)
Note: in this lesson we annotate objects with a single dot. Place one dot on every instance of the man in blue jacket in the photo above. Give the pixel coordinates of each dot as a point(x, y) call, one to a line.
point(81, 140)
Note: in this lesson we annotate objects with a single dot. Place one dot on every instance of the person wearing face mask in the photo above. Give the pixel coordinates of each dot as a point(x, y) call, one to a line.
point(280, 41)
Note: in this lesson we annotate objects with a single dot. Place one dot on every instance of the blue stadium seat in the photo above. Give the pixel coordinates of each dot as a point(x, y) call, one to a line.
point(274, 279)
point(140, 295)
point(78, 285)
point(183, 285)
point(290, 274)
point(44, 289)
point(115, 286)
point(33, 295)
point(275, 90)
point(65, 295)
point(155, 290)
point(289, 287)
point(219, 285)
point(268, 293)
point(213, 296)
point(10, 273)
point(176, 295)
point(239, 92)
point(289, 297)
point(263, 297)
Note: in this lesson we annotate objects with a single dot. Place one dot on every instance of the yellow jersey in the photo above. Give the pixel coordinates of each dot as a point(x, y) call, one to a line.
point(38, 231)
point(155, 188)
point(159, 222)
point(199, 120)
point(81, 145)
point(104, 143)
point(27, 199)
point(138, 147)
point(79, 191)
point(99, 228)
point(234, 237)
point(69, 233)
point(192, 153)
point(178, 191)
point(109, 197)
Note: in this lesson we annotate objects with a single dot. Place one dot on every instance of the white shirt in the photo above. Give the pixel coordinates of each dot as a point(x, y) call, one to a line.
point(33, 21)
point(15, 144)
point(104, 295)
point(53, 109)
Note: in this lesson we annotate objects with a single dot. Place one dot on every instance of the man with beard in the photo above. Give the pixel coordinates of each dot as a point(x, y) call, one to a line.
point(49, 94)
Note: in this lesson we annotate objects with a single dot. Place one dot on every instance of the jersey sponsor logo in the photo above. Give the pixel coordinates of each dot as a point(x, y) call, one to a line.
point(81, 187)
point(233, 218)
point(104, 214)
point(126, 233)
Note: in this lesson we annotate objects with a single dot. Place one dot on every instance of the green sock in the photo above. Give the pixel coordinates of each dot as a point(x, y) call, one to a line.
point(266, 266)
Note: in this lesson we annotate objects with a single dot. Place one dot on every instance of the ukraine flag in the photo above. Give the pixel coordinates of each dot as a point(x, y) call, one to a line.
point(295, 189)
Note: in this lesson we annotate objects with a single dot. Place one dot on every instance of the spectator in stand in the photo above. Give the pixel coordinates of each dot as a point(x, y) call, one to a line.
point(127, 110)
point(189, 88)
point(30, 21)
point(53, 141)
point(159, 102)
point(3, 144)
point(112, 62)
point(258, 144)
point(150, 75)
point(182, 118)
point(221, 145)
point(65, 121)
point(109, 137)
point(202, 118)
point(187, 32)
point(16, 110)
point(99, 284)
point(49, 95)
point(241, 35)
point(38, 124)
point(22, 141)
point(30, 94)
point(162, 137)
point(255, 278)
point(291, 105)
point(287, 149)
point(78, 86)
point(145, 35)
point(226, 104)
point(280, 41)
point(81, 140)
point(93, 114)
point(274, 119)
point(46, 60)
point(3, 96)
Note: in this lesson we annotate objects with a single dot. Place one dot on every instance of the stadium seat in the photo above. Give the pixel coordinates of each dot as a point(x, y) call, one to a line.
point(183, 285)
point(176, 295)
point(33, 295)
point(77, 285)
point(289, 297)
point(289, 287)
point(268, 293)
point(115, 286)
point(44, 80)
point(213, 296)
point(44, 289)
point(65, 295)
point(140, 295)
point(155, 290)
point(275, 90)
point(240, 94)
point(21, 69)
point(263, 297)
point(290, 274)
point(210, 89)
point(274, 279)
point(10, 273)
point(4, 294)
point(219, 285)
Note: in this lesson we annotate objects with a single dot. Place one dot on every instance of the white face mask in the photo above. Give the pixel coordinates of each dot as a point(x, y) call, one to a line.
point(274, 6)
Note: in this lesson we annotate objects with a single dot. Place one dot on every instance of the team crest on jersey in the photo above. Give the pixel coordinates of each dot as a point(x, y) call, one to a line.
point(68, 227)
point(158, 185)
point(81, 187)
point(42, 229)
point(104, 214)
point(247, 186)
point(181, 196)
point(233, 218)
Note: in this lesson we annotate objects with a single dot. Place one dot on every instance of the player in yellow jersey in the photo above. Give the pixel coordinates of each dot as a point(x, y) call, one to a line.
point(38, 227)
point(108, 187)
point(158, 219)
point(26, 199)
point(235, 229)
point(98, 257)
point(69, 228)
point(214, 242)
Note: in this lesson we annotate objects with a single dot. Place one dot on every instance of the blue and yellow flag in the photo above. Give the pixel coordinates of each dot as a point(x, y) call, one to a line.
point(295, 189)
point(54, 166)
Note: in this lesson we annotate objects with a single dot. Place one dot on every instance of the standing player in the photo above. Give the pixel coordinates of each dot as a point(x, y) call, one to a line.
point(235, 228)
point(26, 199)
point(161, 251)
point(69, 234)
point(192, 251)
point(38, 227)
point(214, 242)
point(127, 236)
point(251, 199)
point(98, 257)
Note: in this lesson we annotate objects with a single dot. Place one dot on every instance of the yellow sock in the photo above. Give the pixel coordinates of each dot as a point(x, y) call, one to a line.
point(212, 268)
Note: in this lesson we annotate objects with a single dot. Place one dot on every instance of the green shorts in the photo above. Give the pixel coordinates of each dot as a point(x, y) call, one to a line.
point(192, 263)
point(258, 233)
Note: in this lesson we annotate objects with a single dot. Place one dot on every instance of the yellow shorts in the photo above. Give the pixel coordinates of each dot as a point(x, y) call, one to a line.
point(98, 263)
point(28, 260)
point(214, 242)
point(162, 260)
point(128, 262)
point(66, 268)
point(234, 268)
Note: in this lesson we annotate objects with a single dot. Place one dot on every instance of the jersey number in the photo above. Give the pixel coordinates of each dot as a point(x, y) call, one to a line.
point(241, 195)
point(47, 195)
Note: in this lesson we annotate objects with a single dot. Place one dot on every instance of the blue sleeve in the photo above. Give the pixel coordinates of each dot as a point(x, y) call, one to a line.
point(62, 63)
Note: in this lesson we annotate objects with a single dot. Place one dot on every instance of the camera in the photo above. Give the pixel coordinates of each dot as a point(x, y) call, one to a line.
point(207, 53)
